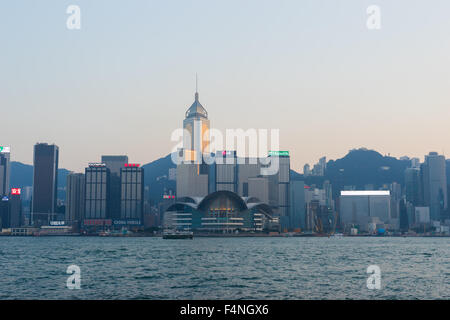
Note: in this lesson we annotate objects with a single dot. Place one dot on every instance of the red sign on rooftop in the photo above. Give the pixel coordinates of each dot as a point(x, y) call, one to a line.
point(132, 164)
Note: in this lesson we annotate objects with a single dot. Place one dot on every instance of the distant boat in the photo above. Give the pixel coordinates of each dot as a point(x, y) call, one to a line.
point(337, 235)
point(176, 234)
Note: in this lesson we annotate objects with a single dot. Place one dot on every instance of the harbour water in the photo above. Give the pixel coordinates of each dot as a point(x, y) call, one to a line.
point(224, 268)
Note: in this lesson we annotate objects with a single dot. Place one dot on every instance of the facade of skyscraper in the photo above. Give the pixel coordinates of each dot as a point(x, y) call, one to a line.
point(75, 194)
point(435, 185)
point(132, 193)
point(45, 182)
point(280, 181)
point(15, 209)
point(4, 212)
point(97, 192)
point(4, 170)
point(413, 186)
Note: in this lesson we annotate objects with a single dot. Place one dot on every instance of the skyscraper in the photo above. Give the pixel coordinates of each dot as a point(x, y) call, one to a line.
point(279, 186)
point(297, 208)
point(4, 170)
point(97, 196)
point(192, 174)
point(435, 185)
point(75, 194)
point(132, 192)
point(196, 125)
point(15, 207)
point(45, 182)
point(413, 186)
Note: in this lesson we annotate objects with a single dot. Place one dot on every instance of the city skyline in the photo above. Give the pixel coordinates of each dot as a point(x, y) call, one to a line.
point(338, 87)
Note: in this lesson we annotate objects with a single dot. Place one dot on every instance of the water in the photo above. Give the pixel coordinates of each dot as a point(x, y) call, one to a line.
point(224, 268)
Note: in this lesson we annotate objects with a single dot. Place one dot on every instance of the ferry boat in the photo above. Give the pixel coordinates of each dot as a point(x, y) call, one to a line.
point(176, 234)
point(337, 235)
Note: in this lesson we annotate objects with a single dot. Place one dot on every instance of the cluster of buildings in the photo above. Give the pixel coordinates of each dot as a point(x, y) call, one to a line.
point(417, 205)
point(108, 196)
point(232, 194)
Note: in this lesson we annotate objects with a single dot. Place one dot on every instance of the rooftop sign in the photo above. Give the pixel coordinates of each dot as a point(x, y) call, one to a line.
point(279, 153)
point(132, 164)
point(96, 164)
point(5, 149)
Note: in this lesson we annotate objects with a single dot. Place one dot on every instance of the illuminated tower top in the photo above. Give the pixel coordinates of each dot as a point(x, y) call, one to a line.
point(196, 110)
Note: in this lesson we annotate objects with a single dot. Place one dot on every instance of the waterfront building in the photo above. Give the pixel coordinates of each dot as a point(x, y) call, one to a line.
point(358, 207)
point(220, 212)
point(15, 206)
point(75, 195)
point(45, 182)
point(4, 212)
point(132, 195)
point(97, 192)
point(435, 185)
point(4, 170)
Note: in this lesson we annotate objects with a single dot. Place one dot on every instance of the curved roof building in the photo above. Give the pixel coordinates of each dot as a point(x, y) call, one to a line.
point(221, 211)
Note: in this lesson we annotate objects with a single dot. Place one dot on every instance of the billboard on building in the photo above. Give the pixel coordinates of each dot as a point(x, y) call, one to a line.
point(5, 149)
point(127, 222)
point(279, 153)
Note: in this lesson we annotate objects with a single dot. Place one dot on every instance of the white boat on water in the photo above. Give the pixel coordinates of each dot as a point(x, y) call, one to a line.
point(337, 235)
point(177, 234)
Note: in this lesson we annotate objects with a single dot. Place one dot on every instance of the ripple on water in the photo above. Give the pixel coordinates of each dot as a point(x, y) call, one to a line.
point(224, 268)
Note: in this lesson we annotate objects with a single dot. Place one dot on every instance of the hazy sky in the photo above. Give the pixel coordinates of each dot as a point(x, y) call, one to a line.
point(122, 83)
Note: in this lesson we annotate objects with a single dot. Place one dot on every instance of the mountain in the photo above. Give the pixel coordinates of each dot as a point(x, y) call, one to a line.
point(156, 177)
point(359, 168)
point(22, 175)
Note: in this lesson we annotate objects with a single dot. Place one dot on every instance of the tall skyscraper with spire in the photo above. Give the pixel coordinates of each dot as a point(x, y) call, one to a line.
point(193, 173)
point(196, 135)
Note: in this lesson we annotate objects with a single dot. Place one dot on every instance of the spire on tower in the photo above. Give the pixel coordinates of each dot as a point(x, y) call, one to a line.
point(196, 87)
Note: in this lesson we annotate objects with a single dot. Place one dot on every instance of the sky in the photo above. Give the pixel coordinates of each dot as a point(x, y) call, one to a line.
point(312, 69)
